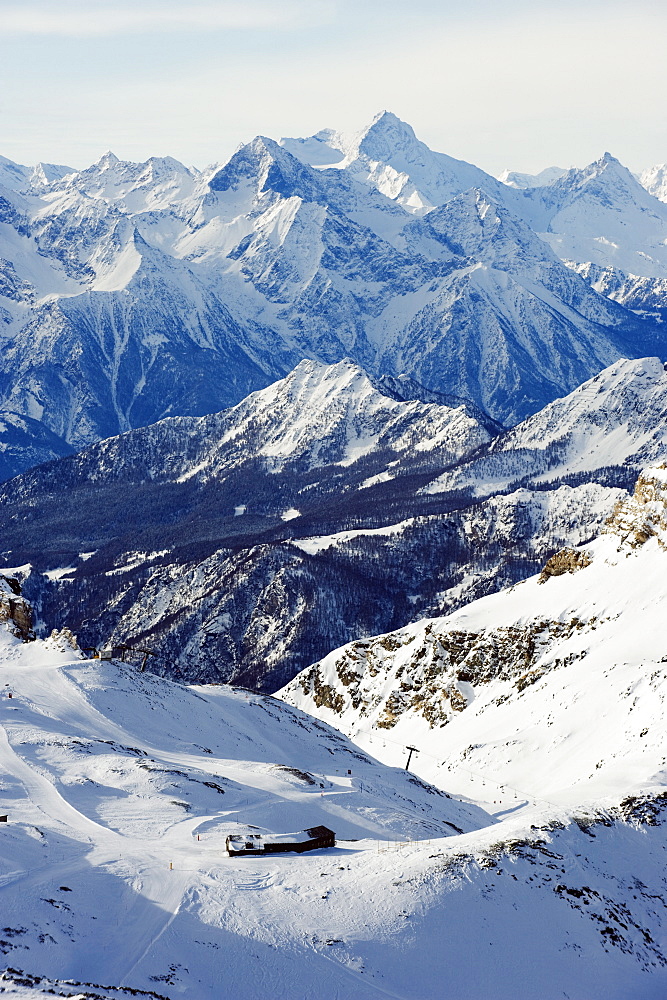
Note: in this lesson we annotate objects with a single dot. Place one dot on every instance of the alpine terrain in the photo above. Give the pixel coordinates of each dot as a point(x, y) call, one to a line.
point(134, 291)
point(333, 507)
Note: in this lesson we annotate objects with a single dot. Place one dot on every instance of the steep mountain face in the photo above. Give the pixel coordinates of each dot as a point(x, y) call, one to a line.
point(501, 691)
point(646, 297)
point(654, 179)
point(541, 328)
point(129, 292)
point(609, 427)
point(318, 511)
point(603, 215)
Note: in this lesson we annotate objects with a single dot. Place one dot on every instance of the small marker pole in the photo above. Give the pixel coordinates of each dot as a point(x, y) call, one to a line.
point(171, 867)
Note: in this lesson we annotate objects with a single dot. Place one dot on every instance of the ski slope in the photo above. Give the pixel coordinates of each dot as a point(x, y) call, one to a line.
point(120, 788)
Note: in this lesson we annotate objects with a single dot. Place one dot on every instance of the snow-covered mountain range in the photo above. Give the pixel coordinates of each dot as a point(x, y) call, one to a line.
point(130, 292)
point(245, 545)
point(351, 418)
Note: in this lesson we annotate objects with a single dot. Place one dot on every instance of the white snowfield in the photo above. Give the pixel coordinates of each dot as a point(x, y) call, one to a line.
point(121, 787)
point(113, 870)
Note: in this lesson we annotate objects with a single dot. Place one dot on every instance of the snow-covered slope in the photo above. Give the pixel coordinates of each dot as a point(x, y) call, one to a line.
point(551, 692)
point(654, 179)
point(120, 788)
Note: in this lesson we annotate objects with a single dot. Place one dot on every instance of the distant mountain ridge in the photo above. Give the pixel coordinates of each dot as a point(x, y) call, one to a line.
point(130, 292)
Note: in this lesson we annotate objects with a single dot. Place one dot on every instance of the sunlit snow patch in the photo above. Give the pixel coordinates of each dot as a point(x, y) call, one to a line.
point(382, 477)
point(319, 542)
point(58, 574)
point(289, 515)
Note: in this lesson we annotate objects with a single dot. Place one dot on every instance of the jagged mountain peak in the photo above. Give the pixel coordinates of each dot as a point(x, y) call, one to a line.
point(602, 214)
point(107, 161)
point(604, 174)
point(44, 174)
point(607, 158)
point(386, 136)
point(336, 413)
point(269, 166)
point(388, 156)
point(479, 226)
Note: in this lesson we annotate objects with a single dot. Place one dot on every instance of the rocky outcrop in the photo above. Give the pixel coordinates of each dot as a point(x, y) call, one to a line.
point(565, 561)
point(64, 641)
point(432, 673)
point(14, 610)
point(643, 515)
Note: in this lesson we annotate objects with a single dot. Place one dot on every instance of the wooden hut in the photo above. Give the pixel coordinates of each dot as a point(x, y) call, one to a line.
point(314, 839)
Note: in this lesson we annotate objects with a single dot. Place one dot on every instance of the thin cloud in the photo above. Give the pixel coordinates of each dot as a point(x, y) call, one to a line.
point(78, 21)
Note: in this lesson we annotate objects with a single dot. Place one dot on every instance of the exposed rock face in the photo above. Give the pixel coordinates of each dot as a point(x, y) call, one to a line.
point(431, 673)
point(565, 561)
point(644, 514)
point(435, 670)
point(14, 609)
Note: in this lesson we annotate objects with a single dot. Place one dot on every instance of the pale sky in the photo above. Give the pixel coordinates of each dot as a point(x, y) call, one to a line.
point(501, 83)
